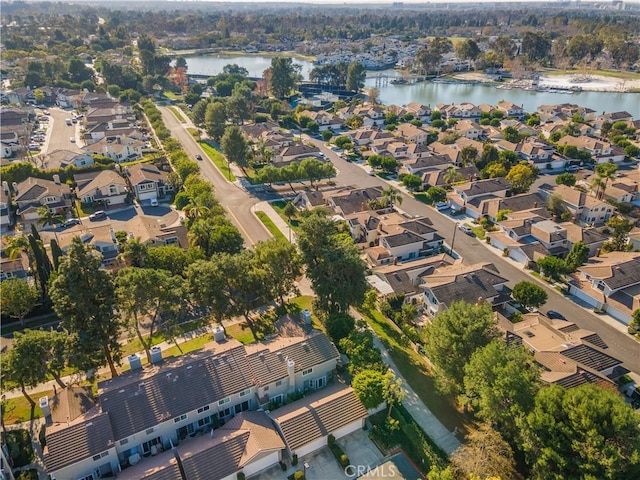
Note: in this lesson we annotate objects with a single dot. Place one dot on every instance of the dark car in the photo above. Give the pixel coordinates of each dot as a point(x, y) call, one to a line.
point(100, 214)
point(555, 315)
point(198, 157)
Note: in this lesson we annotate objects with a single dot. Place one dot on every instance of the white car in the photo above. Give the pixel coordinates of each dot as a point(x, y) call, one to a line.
point(72, 139)
point(154, 202)
point(442, 206)
point(466, 229)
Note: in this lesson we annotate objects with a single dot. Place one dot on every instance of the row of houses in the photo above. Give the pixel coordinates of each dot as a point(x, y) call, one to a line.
point(208, 415)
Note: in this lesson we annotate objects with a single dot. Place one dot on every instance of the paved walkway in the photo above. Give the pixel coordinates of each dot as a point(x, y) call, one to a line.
point(282, 225)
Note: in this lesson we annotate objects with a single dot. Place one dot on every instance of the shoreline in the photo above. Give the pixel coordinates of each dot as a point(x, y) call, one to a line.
point(236, 53)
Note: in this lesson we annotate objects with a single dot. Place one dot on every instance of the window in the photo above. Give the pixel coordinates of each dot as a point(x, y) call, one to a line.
point(150, 430)
point(180, 418)
point(307, 371)
point(224, 413)
point(113, 190)
point(245, 392)
point(242, 407)
point(146, 446)
point(266, 388)
point(224, 400)
point(204, 421)
point(278, 383)
point(124, 442)
point(203, 409)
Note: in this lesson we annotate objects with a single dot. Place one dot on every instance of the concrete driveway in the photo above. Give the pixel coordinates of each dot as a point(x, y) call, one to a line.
point(324, 466)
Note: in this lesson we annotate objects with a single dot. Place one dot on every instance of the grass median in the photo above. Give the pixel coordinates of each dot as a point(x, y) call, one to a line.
point(219, 161)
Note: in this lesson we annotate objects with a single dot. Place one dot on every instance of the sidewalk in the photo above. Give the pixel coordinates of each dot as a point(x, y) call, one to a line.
point(282, 225)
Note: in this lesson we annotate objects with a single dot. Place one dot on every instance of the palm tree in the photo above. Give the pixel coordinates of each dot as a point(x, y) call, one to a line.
point(193, 210)
point(605, 172)
point(48, 217)
point(15, 245)
point(452, 176)
point(134, 252)
point(199, 236)
point(391, 196)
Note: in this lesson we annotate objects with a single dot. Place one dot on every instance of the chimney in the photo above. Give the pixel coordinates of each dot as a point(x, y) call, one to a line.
point(56, 179)
point(14, 185)
point(113, 235)
point(291, 371)
point(5, 187)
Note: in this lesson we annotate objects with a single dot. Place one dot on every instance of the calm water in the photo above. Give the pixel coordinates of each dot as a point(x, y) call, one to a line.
point(434, 93)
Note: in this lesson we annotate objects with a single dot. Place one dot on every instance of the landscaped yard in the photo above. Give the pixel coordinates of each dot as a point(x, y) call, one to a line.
point(416, 371)
point(279, 208)
point(18, 409)
point(218, 160)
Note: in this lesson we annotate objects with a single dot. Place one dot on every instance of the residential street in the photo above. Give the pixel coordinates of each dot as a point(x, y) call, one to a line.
point(237, 201)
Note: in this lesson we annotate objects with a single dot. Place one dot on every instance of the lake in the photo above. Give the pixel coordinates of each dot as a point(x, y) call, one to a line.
point(434, 93)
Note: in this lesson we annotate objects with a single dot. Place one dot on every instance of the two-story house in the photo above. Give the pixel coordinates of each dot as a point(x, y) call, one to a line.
point(585, 208)
point(119, 148)
point(510, 109)
point(474, 192)
point(34, 193)
point(459, 110)
point(470, 283)
point(325, 120)
point(610, 282)
point(105, 187)
point(410, 133)
point(294, 152)
point(600, 150)
point(145, 412)
point(63, 158)
point(469, 129)
point(419, 111)
point(366, 135)
point(348, 201)
point(147, 181)
point(6, 214)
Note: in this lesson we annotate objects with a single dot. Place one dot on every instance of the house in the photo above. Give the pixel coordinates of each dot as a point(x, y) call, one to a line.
point(119, 148)
point(419, 111)
point(569, 355)
point(367, 135)
point(538, 153)
point(410, 133)
point(614, 117)
point(492, 206)
point(423, 163)
point(583, 207)
point(468, 129)
point(140, 416)
point(325, 120)
point(63, 158)
point(344, 203)
point(406, 278)
point(470, 283)
point(105, 187)
point(440, 177)
point(610, 282)
point(306, 425)
point(69, 98)
point(551, 235)
point(34, 193)
point(459, 110)
point(14, 268)
point(6, 214)
point(294, 152)
point(600, 150)
point(476, 191)
point(147, 181)
point(510, 109)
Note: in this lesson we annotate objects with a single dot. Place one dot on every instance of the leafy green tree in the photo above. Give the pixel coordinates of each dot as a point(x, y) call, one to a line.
point(555, 206)
point(283, 265)
point(326, 135)
point(354, 121)
point(283, 75)
point(362, 352)
point(215, 119)
point(489, 154)
point(577, 257)
point(467, 50)
point(502, 214)
point(290, 211)
point(235, 146)
point(356, 75)
point(391, 196)
point(389, 165)
point(172, 258)
point(392, 391)
point(149, 298)
point(215, 235)
point(83, 297)
point(510, 134)
point(529, 295)
point(582, 432)
point(620, 228)
point(452, 338)
point(206, 284)
point(339, 325)
point(333, 263)
point(552, 266)
point(436, 194)
point(500, 383)
point(412, 182)
point(604, 172)
point(134, 252)
point(568, 179)
point(368, 385)
point(521, 177)
point(494, 170)
point(17, 298)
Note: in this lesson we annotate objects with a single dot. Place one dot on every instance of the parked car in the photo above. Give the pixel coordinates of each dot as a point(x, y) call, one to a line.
point(100, 214)
point(555, 315)
point(572, 169)
point(71, 222)
point(198, 157)
point(442, 205)
point(466, 229)
point(154, 202)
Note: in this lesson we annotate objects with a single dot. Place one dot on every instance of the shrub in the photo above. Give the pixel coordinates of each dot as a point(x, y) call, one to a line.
point(294, 460)
point(283, 466)
point(241, 476)
point(331, 440)
point(299, 475)
point(344, 460)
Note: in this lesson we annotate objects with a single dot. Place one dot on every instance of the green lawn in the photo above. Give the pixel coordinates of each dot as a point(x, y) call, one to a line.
point(305, 302)
point(279, 208)
point(478, 231)
point(422, 197)
point(604, 73)
point(219, 161)
point(18, 409)
point(169, 94)
point(177, 114)
point(241, 332)
point(416, 371)
point(275, 231)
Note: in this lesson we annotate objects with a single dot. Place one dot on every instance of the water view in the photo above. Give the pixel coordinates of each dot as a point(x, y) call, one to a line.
point(434, 93)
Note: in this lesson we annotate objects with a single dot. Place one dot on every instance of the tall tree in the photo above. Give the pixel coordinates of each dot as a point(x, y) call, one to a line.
point(283, 75)
point(215, 119)
point(83, 297)
point(281, 260)
point(392, 391)
point(356, 75)
point(500, 382)
point(17, 298)
point(604, 172)
point(521, 177)
point(368, 385)
point(582, 432)
point(148, 298)
point(484, 455)
point(529, 295)
point(235, 146)
point(453, 336)
point(391, 196)
point(207, 287)
point(578, 256)
point(620, 228)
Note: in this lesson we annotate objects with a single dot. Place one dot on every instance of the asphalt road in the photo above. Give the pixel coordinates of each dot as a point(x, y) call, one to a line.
point(238, 202)
point(232, 197)
point(59, 132)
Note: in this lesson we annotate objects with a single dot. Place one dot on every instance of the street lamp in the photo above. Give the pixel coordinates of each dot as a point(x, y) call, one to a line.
point(305, 465)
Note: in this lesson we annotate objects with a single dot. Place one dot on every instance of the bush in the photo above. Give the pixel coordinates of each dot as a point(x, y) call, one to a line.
point(299, 475)
point(331, 440)
point(294, 460)
point(20, 448)
point(344, 460)
point(283, 466)
point(241, 476)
